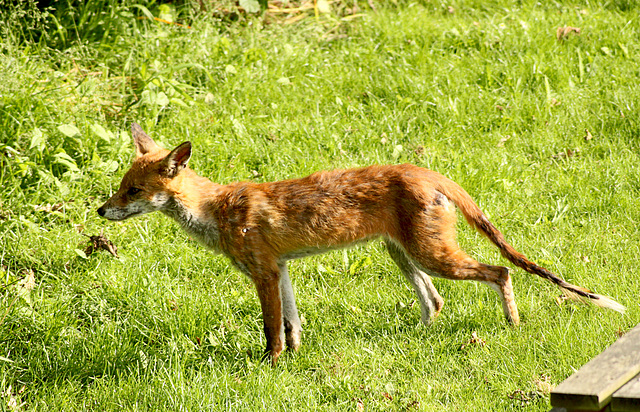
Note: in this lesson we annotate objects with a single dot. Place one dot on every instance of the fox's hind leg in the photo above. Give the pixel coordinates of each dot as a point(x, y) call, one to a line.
point(505, 290)
point(431, 245)
point(450, 263)
point(431, 302)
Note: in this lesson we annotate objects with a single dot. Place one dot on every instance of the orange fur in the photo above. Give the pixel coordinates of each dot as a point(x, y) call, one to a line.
point(260, 226)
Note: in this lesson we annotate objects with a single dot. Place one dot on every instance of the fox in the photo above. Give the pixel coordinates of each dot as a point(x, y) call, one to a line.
point(259, 227)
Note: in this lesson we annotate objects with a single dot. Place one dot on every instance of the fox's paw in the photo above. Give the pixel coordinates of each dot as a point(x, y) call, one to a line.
point(293, 339)
point(271, 355)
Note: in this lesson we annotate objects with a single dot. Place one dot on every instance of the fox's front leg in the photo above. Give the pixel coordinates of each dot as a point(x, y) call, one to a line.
point(292, 325)
point(268, 288)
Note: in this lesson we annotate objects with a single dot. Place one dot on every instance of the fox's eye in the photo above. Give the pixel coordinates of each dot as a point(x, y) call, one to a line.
point(133, 191)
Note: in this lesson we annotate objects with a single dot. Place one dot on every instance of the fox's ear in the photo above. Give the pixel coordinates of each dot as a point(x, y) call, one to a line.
point(177, 159)
point(144, 144)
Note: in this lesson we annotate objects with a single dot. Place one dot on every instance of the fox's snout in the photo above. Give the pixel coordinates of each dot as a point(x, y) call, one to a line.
point(111, 211)
point(121, 207)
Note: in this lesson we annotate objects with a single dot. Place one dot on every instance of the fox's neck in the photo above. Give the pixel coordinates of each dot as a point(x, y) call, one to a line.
point(190, 204)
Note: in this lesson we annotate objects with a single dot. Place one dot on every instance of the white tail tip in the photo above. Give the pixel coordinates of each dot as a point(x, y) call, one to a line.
point(605, 302)
point(598, 300)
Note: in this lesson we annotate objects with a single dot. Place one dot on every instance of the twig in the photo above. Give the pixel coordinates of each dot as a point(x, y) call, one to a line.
point(8, 309)
point(164, 21)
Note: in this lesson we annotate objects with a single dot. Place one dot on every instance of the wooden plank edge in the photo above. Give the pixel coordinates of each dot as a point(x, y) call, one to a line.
point(627, 398)
point(565, 395)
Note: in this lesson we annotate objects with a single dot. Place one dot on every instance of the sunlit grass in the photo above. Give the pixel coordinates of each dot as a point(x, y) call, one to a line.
point(543, 134)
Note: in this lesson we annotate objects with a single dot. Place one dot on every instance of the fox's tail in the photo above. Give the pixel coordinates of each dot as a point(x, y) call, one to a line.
point(479, 221)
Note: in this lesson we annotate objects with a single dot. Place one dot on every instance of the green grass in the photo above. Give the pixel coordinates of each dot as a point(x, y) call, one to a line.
point(485, 95)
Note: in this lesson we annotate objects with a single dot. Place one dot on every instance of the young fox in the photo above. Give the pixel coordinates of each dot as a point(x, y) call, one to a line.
point(260, 226)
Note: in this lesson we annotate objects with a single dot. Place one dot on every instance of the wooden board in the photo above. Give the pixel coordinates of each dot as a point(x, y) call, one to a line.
point(591, 387)
point(627, 398)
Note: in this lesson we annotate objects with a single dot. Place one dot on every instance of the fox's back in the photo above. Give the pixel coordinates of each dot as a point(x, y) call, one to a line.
point(346, 205)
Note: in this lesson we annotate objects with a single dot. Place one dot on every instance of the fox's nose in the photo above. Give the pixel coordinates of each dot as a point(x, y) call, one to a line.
point(101, 211)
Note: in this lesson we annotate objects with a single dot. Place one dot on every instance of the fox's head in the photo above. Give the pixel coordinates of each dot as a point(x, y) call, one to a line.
point(150, 182)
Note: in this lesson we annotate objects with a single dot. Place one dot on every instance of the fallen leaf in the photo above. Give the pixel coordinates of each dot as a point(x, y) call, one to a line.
point(100, 242)
point(387, 396)
point(24, 286)
point(12, 401)
point(360, 405)
point(29, 281)
point(522, 397)
point(475, 340)
point(588, 135)
point(503, 140)
point(543, 385)
point(295, 19)
point(173, 305)
point(413, 404)
point(563, 33)
point(48, 208)
point(323, 6)
point(355, 309)
point(561, 299)
point(5, 214)
point(566, 153)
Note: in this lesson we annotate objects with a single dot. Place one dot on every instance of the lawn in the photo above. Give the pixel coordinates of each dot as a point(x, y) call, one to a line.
point(540, 126)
